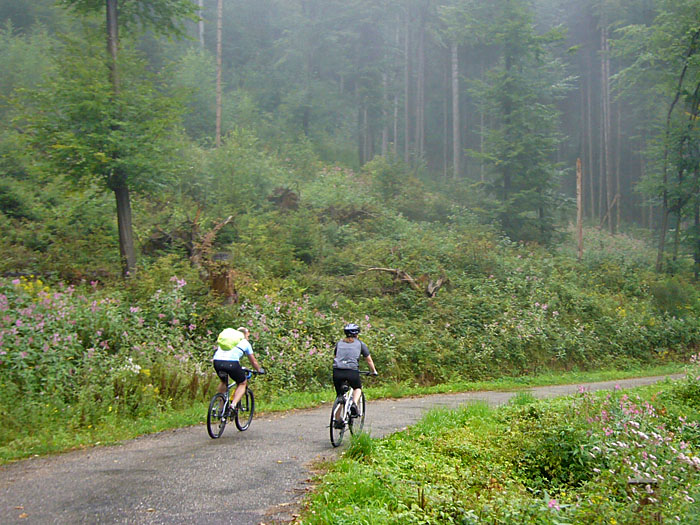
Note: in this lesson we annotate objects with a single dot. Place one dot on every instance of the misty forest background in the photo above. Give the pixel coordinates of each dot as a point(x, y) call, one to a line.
point(298, 164)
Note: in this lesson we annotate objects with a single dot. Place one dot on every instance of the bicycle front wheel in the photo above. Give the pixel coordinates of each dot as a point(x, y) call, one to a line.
point(357, 423)
point(337, 427)
point(246, 407)
point(216, 422)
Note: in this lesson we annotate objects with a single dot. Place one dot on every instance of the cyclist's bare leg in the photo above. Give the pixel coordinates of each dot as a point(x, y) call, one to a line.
point(238, 393)
point(221, 389)
point(339, 412)
point(356, 395)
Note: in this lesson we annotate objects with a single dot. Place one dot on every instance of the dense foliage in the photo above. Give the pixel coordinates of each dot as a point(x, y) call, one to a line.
point(294, 224)
point(85, 353)
point(609, 457)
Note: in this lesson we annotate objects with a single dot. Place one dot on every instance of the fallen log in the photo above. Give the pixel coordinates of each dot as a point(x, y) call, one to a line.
point(423, 284)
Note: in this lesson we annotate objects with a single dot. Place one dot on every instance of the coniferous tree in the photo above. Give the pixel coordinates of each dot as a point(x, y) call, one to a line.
point(521, 146)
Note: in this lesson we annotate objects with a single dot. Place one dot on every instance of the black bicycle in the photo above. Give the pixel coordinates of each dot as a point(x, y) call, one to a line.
point(342, 415)
point(220, 410)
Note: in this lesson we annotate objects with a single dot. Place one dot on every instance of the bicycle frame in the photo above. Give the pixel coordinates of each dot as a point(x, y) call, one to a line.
point(348, 396)
point(341, 417)
point(220, 409)
point(234, 385)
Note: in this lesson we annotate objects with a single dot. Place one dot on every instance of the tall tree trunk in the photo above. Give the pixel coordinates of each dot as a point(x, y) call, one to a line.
point(601, 166)
point(121, 190)
point(507, 118)
point(456, 138)
point(360, 136)
point(662, 231)
point(665, 210)
point(396, 124)
point(445, 117)
point(406, 93)
point(113, 43)
point(618, 155)
point(219, 36)
point(482, 128)
point(605, 92)
point(420, 89)
point(200, 24)
point(385, 117)
point(589, 135)
point(677, 233)
point(368, 139)
point(696, 254)
point(649, 212)
point(579, 209)
point(126, 236)
point(582, 139)
point(397, 40)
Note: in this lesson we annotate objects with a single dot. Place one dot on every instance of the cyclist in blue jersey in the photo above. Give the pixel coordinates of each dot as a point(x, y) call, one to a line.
point(232, 345)
point(346, 365)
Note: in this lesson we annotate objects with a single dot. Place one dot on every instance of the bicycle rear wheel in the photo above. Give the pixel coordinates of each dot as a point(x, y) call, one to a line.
point(246, 407)
point(337, 433)
point(357, 423)
point(216, 422)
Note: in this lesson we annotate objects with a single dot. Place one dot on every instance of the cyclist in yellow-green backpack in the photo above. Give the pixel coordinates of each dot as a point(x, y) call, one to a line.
point(231, 346)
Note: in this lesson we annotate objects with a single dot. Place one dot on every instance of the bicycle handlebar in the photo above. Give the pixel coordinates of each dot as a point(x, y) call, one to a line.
point(251, 371)
point(367, 373)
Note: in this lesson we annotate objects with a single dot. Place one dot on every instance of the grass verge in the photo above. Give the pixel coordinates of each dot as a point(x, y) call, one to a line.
point(619, 457)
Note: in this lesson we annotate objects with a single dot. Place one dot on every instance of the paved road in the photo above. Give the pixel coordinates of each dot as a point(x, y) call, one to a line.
point(183, 476)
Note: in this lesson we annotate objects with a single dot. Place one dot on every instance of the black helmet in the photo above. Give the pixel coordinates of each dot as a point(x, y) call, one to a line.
point(351, 330)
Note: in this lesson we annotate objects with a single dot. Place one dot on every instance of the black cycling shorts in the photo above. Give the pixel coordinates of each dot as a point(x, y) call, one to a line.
point(342, 375)
point(226, 369)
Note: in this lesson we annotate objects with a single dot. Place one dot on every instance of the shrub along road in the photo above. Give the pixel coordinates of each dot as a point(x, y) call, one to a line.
point(183, 476)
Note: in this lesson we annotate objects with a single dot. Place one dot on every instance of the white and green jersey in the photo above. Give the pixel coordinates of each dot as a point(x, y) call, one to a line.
point(235, 353)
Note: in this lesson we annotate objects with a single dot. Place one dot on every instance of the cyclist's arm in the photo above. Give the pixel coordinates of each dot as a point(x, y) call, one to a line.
point(254, 362)
point(371, 364)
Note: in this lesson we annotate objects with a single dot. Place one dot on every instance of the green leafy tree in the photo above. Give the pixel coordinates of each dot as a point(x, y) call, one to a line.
point(664, 64)
point(163, 17)
point(85, 131)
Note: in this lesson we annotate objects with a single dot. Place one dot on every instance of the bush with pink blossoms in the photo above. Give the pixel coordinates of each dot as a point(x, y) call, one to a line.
point(294, 341)
point(78, 354)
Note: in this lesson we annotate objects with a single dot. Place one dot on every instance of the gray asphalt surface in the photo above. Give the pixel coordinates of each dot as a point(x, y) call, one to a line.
point(183, 476)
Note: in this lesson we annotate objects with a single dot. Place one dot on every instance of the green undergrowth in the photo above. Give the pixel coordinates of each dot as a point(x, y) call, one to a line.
point(52, 436)
point(609, 457)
